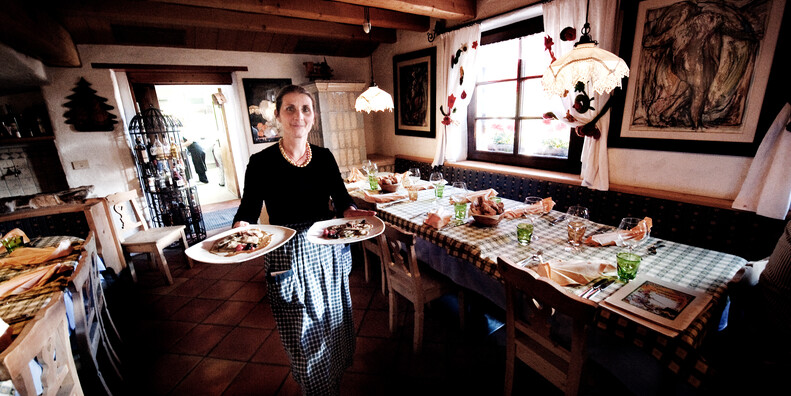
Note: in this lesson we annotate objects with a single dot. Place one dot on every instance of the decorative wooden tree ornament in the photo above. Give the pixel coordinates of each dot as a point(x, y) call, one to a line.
point(88, 112)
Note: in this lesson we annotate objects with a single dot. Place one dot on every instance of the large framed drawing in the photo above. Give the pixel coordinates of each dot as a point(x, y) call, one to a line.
point(260, 95)
point(415, 89)
point(699, 73)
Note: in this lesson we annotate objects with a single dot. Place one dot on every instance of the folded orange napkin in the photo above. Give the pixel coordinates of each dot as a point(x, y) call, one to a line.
point(571, 273)
point(422, 185)
point(14, 233)
point(471, 196)
point(383, 198)
point(29, 280)
point(29, 256)
point(544, 206)
point(611, 238)
point(355, 175)
point(438, 218)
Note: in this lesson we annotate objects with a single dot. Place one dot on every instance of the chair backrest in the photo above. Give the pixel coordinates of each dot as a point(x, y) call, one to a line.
point(120, 203)
point(83, 286)
point(46, 339)
point(392, 242)
point(531, 328)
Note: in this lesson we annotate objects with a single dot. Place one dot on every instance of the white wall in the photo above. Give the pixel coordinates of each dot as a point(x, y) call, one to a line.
point(716, 176)
point(111, 167)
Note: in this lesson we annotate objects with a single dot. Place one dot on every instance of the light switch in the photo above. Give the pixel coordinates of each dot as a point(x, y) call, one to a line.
point(80, 164)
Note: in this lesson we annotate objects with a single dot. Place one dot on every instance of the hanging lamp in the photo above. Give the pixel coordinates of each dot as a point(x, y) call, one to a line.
point(373, 99)
point(600, 70)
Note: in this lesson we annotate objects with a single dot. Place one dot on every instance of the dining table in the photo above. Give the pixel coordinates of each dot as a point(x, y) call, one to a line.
point(468, 255)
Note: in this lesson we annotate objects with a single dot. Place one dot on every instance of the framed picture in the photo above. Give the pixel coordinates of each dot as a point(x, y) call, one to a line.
point(260, 95)
point(695, 85)
point(415, 86)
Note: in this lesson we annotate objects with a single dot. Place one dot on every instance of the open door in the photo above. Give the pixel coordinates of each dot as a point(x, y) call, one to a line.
point(229, 167)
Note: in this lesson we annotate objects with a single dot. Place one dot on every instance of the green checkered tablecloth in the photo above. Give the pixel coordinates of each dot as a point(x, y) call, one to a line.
point(685, 265)
point(17, 310)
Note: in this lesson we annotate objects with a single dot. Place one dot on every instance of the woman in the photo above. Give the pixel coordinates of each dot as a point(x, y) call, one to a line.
point(308, 284)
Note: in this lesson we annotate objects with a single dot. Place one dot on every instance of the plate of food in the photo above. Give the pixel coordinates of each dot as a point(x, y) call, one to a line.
point(240, 244)
point(345, 230)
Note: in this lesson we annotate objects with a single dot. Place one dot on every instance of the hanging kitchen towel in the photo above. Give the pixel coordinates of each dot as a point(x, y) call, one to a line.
point(767, 187)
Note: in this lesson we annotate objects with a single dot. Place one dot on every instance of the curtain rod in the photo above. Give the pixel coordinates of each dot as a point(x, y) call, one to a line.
point(439, 25)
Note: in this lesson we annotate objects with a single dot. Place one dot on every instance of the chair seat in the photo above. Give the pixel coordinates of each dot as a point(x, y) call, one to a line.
point(153, 235)
point(434, 285)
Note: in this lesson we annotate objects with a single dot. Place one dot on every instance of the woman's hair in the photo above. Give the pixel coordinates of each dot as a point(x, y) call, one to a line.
point(292, 89)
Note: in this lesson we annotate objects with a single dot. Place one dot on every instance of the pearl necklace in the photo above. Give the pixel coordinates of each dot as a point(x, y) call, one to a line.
point(308, 154)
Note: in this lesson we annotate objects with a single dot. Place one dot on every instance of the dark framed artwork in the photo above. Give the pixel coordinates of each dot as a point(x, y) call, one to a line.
point(415, 86)
point(260, 95)
point(701, 75)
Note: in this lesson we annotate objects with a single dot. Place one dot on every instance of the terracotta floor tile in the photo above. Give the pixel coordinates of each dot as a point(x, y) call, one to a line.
point(230, 313)
point(210, 377)
point(187, 272)
point(373, 355)
point(240, 344)
point(250, 291)
point(201, 339)
point(258, 379)
point(222, 289)
point(271, 351)
point(358, 315)
point(167, 305)
point(163, 334)
point(259, 317)
point(361, 297)
point(360, 384)
point(244, 272)
point(290, 387)
point(375, 324)
point(379, 301)
point(196, 310)
point(216, 271)
point(193, 287)
point(166, 372)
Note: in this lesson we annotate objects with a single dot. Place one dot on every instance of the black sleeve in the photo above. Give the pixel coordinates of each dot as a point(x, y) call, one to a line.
point(253, 197)
point(340, 196)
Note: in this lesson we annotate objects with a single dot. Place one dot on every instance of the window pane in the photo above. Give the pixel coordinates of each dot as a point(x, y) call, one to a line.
point(535, 58)
point(544, 138)
point(535, 101)
point(496, 100)
point(498, 61)
point(494, 135)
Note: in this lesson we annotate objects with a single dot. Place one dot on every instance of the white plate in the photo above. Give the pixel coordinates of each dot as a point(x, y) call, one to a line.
point(200, 252)
point(316, 231)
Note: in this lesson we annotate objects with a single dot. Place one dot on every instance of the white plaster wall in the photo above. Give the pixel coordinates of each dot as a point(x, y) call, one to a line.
point(111, 166)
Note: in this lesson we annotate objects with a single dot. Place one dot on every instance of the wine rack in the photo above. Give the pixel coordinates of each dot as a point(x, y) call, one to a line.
point(159, 156)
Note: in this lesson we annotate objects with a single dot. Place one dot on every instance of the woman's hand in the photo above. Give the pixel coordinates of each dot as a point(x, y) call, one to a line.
point(354, 212)
point(240, 223)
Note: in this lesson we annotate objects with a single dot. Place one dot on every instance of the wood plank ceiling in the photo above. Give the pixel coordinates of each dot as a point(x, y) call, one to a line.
point(316, 27)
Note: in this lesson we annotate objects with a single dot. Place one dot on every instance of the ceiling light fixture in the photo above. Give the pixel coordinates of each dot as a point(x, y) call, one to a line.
point(367, 21)
point(373, 99)
point(600, 70)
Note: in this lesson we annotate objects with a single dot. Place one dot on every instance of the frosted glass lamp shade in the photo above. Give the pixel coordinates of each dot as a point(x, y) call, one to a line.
point(600, 70)
point(374, 99)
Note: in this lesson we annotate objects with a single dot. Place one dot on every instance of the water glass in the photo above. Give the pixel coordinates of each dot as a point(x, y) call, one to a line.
point(372, 170)
point(412, 191)
point(530, 201)
point(576, 225)
point(438, 181)
point(12, 243)
point(414, 175)
point(628, 264)
point(524, 232)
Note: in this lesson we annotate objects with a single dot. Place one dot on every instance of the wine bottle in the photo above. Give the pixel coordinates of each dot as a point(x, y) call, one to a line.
point(140, 150)
point(160, 149)
point(11, 123)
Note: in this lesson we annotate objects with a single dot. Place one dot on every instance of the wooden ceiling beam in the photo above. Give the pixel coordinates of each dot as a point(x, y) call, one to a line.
point(329, 11)
point(31, 31)
point(440, 9)
point(151, 14)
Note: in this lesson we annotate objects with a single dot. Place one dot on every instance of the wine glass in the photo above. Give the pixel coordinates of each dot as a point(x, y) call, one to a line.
point(576, 225)
point(631, 232)
point(415, 175)
point(438, 181)
point(533, 216)
point(459, 200)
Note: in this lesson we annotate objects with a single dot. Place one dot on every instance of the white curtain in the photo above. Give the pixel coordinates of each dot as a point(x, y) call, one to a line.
point(602, 16)
point(457, 79)
point(767, 187)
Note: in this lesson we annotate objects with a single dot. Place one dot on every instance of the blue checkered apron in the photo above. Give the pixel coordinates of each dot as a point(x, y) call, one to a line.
point(309, 293)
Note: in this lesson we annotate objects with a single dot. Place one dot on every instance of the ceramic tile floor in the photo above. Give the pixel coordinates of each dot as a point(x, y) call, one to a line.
point(212, 333)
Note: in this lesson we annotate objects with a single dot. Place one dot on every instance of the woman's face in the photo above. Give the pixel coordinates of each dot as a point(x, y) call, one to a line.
point(296, 115)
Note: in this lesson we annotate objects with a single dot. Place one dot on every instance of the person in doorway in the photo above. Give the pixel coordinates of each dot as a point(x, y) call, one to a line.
point(297, 181)
point(198, 159)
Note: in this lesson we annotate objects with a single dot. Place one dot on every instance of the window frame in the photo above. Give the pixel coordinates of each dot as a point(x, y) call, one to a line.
point(571, 164)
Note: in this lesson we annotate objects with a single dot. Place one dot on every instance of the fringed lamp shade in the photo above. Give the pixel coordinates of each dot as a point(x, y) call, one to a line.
point(374, 99)
point(599, 69)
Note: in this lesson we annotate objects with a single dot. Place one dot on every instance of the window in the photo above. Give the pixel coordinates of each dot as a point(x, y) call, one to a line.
point(505, 115)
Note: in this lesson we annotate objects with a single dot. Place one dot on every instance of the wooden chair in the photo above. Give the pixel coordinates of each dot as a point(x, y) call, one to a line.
point(529, 338)
point(372, 246)
point(46, 339)
point(404, 277)
point(146, 240)
point(92, 319)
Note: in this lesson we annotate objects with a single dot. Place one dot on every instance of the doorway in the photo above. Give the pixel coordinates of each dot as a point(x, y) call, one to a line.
point(204, 129)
